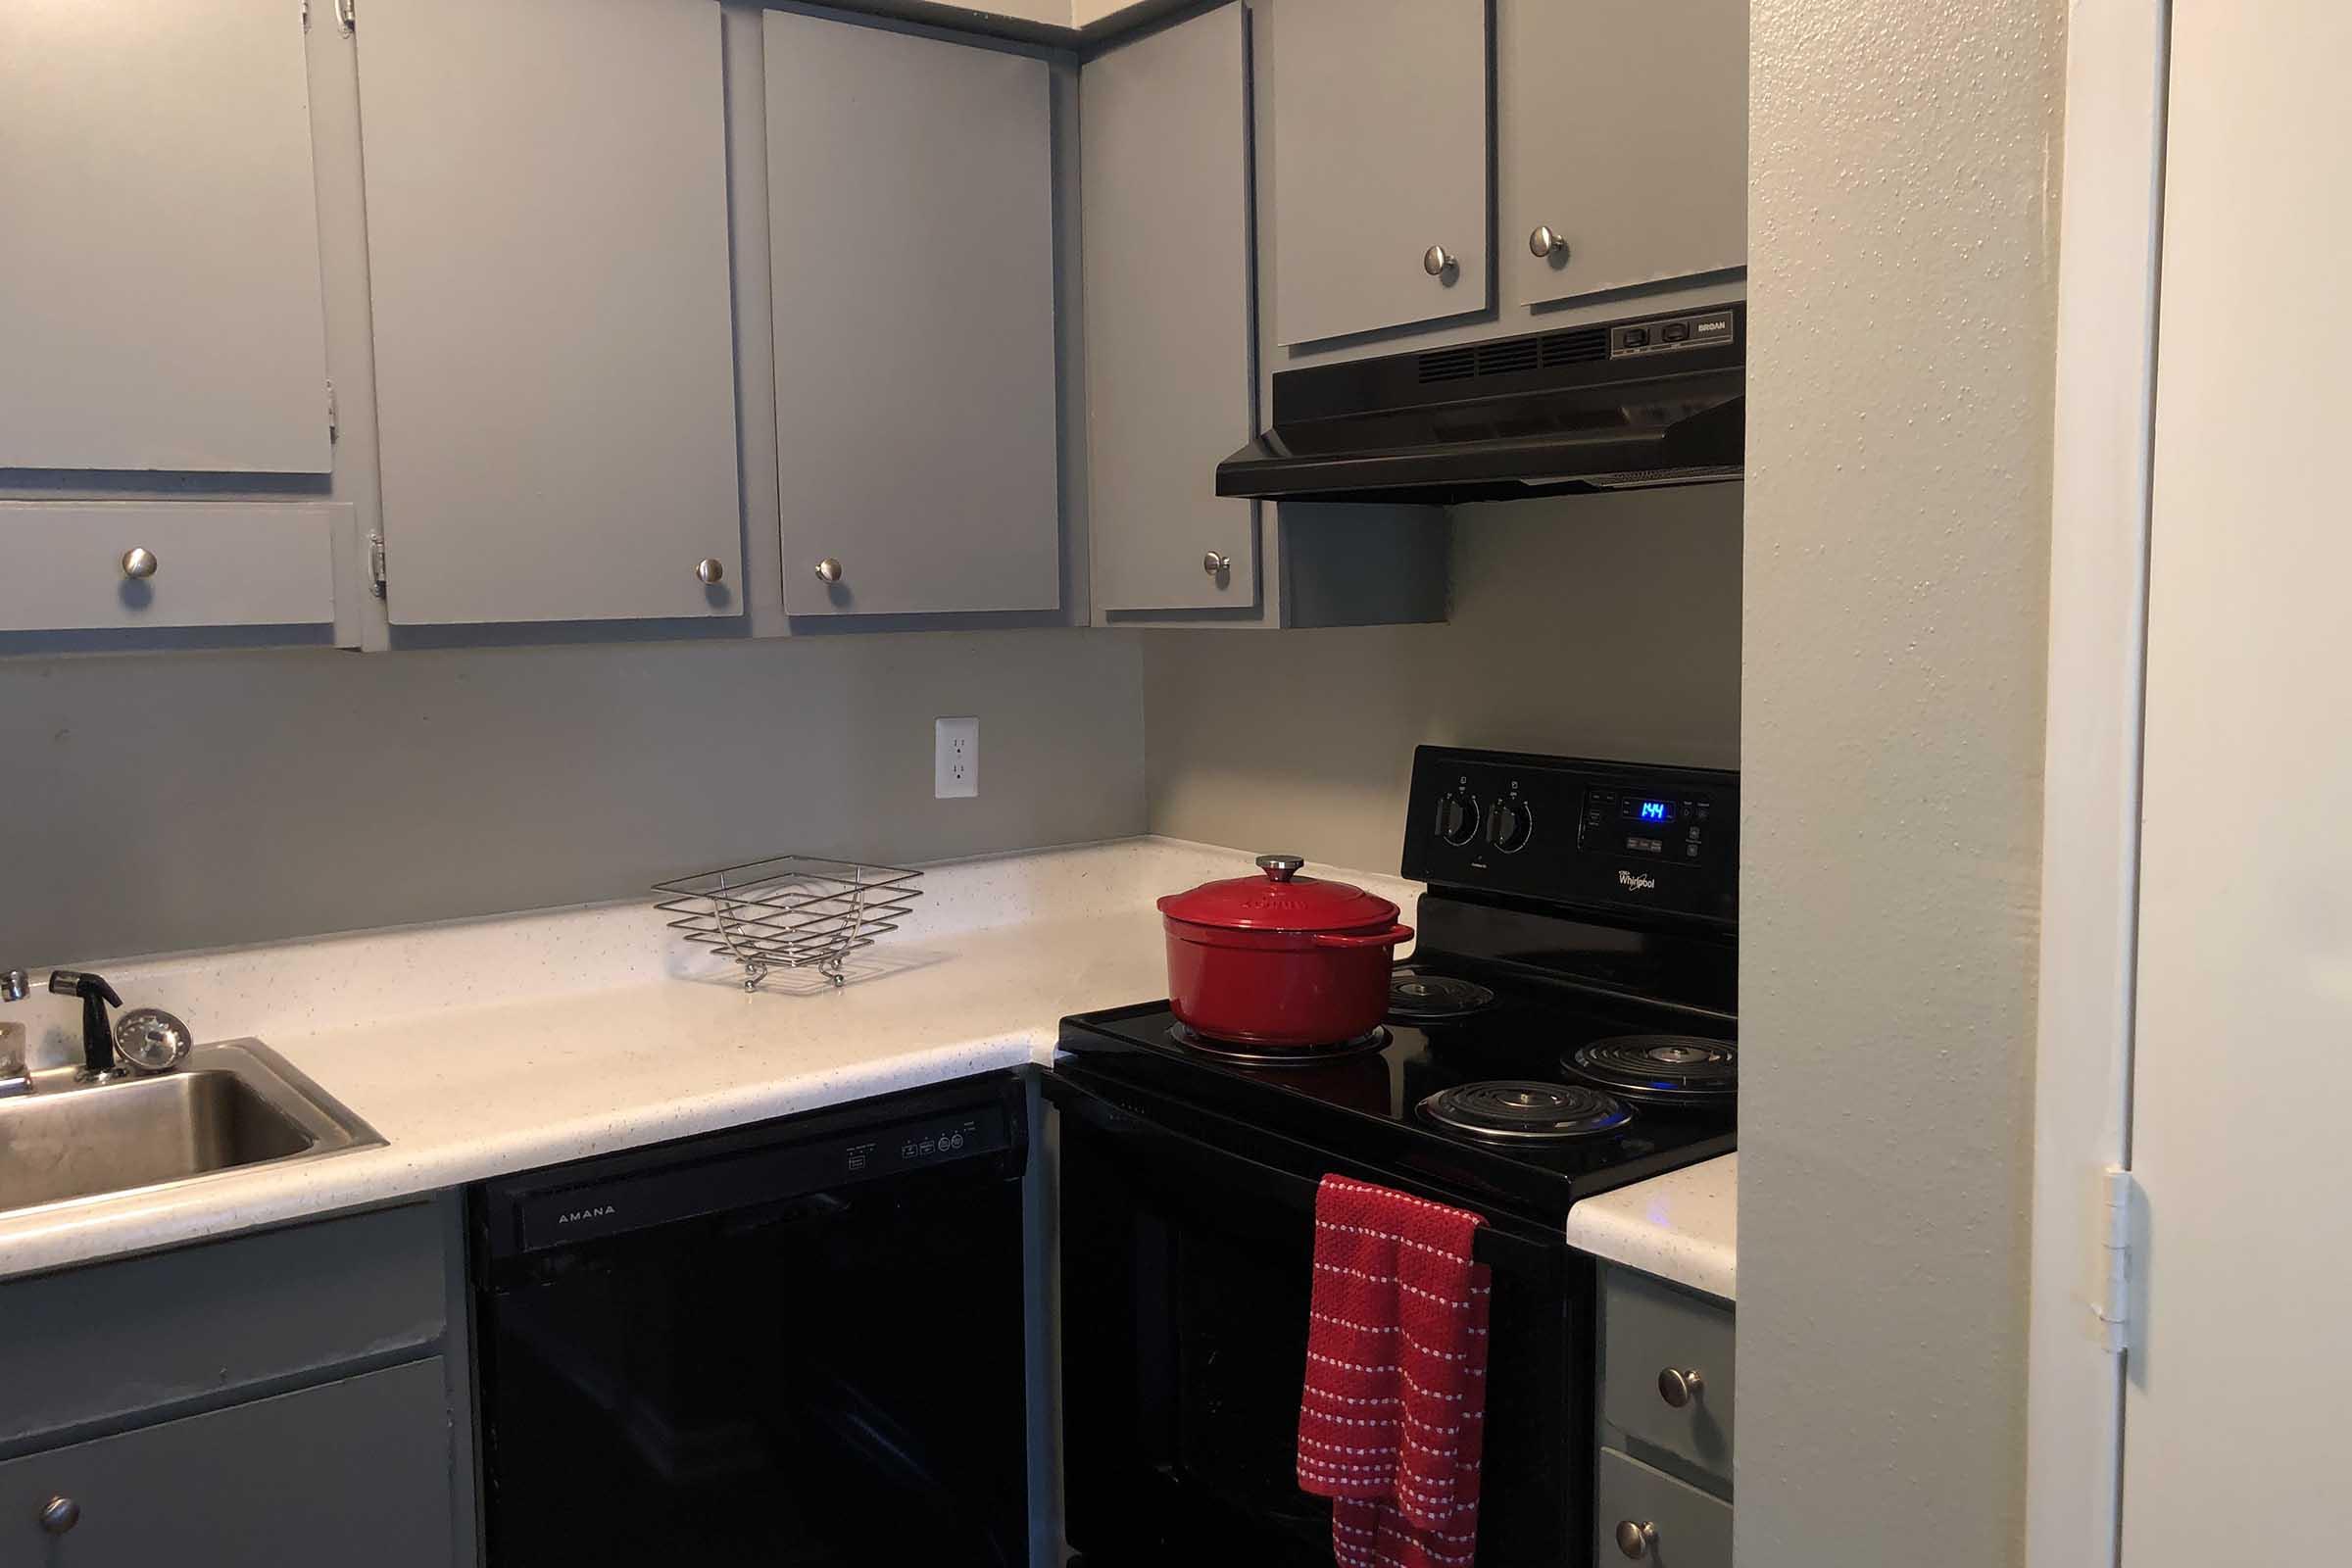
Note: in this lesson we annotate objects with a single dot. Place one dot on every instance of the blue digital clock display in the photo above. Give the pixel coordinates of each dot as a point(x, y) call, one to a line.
point(1655, 811)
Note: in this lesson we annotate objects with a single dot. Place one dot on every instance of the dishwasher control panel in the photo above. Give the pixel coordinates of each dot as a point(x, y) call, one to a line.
point(904, 1146)
point(804, 1159)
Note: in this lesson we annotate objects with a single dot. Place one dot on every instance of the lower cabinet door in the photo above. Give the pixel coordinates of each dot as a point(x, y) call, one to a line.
point(1646, 1515)
point(355, 1473)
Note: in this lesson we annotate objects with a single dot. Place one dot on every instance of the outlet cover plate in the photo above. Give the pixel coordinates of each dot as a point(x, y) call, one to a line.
point(956, 759)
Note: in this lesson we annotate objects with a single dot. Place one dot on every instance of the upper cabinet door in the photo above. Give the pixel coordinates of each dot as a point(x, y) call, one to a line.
point(910, 216)
point(1381, 162)
point(160, 304)
point(1624, 143)
point(547, 238)
point(1168, 363)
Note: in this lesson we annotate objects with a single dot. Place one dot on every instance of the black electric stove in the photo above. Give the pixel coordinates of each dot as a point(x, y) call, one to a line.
point(1368, 1103)
point(1565, 1025)
point(1569, 942)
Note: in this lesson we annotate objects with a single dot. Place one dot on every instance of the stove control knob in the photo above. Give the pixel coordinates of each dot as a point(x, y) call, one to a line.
point(1457, 815)
point(1511, 825)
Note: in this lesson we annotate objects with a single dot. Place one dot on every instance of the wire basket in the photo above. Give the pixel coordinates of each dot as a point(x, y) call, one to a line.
point(790, 913)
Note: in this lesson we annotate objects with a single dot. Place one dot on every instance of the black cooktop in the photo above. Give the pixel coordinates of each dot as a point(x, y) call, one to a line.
point(1364, 1104)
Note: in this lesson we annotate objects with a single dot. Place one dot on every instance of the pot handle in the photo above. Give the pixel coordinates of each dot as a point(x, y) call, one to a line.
point(1390, 938)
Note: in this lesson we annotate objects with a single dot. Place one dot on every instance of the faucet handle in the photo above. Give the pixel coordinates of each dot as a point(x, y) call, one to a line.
point(13, 986)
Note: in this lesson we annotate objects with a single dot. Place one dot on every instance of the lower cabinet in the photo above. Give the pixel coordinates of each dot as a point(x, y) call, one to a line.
point(229, 1404)
point(356, 1473)
point(1646, 1515)
point(1663, 1491)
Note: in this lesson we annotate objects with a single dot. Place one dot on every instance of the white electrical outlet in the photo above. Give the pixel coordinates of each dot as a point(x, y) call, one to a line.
point(954, 759)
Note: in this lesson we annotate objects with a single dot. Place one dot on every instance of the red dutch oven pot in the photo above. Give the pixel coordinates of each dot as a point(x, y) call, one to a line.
point(1280, 960)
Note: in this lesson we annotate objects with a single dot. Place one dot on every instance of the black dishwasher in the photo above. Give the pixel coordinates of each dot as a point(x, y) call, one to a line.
point(796, 1343)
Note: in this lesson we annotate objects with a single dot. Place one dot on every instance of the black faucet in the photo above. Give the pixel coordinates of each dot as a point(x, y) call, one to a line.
point(97, 1031)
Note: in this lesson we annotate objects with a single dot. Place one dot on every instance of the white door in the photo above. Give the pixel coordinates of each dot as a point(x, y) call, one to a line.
point(2236, 1384)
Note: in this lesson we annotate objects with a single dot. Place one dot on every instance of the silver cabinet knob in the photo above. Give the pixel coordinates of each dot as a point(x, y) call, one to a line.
point(1634, 1537)
point(709, 570)
point(59, 1514)
point(1215, 564)
point(139, 561)
point(828, 570)
point(1679, 1385)
point(1437, 259)
point(1547, 242)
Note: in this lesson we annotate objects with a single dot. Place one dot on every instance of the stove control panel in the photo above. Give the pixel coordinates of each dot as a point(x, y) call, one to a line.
point(1621, 836)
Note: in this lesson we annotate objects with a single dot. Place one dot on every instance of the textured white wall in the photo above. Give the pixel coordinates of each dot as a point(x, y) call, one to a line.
point(1904, 159)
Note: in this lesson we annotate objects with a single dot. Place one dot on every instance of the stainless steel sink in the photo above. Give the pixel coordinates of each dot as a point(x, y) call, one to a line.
point(229, 1107)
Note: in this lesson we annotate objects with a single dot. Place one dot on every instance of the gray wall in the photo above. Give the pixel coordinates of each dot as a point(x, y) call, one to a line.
point(1902, 220)
point(161, 802)
point(1599, 626)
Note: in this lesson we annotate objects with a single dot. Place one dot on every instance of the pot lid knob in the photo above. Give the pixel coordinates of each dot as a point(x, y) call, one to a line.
point(1281, 867)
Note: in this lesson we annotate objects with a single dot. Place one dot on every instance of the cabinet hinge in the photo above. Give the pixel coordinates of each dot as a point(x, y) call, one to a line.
point(376, 563)
point(345, 15)
point(2118, 1221)
point(334, 427)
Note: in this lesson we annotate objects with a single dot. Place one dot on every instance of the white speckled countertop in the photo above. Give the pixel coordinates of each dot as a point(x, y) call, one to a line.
point(478, 1048)
point(1682, 1225)
point(483, 1047)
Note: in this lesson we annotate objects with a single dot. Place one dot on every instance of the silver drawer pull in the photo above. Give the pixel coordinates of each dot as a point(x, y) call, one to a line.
point(1437, 261)
point(1215, 564)
point(828, 570)
point(710, 569)
point(139, 561)
point(1679, 1385)
point(1547, 242)
point(1634, 1537)
point(59, 1514)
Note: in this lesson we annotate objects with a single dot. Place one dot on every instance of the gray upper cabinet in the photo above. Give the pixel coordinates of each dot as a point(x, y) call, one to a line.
point(547, 237)
point(1382, 152)
point(137, 566)
point(1168, 363)
point(911, 217)
point(160, 299)
point(1624, 127)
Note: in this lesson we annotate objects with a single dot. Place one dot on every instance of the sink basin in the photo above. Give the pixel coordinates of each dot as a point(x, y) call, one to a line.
point(229, 1107)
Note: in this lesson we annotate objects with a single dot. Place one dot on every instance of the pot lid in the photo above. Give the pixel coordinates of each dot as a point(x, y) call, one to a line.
point(1279, 900)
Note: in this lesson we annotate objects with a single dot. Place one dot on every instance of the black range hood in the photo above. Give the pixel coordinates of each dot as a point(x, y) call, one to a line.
point(1635, 404)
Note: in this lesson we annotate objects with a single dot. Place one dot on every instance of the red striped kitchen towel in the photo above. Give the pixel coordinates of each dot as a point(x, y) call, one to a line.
point(1392, 1420)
